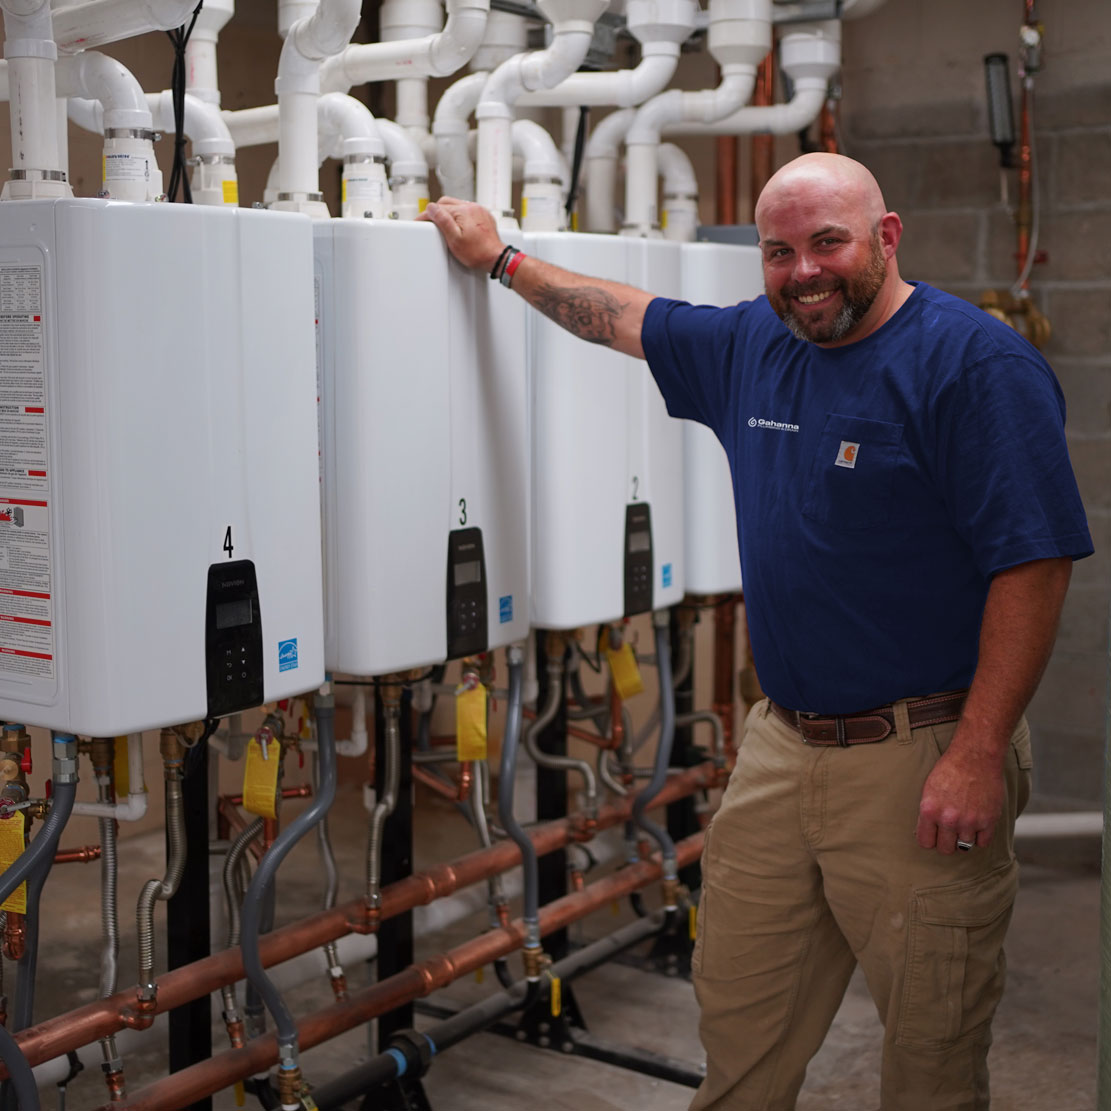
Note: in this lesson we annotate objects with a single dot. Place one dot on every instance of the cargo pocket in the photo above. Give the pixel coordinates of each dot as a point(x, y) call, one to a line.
point(955, 968)
point(853, 473)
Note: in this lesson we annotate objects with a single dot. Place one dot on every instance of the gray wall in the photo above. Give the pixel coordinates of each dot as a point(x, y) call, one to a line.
point(914, 112)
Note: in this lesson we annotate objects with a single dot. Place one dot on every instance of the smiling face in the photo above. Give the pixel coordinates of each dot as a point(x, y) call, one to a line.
point(829, 250)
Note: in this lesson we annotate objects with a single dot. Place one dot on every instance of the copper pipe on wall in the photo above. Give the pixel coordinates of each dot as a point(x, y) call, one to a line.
point(763, 146)
point(190, 1084)
point(459, 792)
point(58, 1035)
point(726, 207)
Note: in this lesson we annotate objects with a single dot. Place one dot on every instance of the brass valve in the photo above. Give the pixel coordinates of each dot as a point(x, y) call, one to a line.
point(671, 892)
point(289, 1087)
point(534, 961)
point(1019, 313)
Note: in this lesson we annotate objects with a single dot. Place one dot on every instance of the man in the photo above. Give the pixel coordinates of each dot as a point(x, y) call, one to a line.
point(907, 518)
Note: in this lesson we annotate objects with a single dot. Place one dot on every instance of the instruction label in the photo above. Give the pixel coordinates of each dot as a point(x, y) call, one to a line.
point(26, 574)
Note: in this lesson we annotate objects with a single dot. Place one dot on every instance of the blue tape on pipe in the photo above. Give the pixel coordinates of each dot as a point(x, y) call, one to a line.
point(399, 1057)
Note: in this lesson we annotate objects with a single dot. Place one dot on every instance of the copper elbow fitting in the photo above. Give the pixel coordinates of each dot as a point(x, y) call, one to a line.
point(339, 987)
point(117, 1087)
point(367, 923)
point(503, 915)
point(15, 937)
point(235, 1032)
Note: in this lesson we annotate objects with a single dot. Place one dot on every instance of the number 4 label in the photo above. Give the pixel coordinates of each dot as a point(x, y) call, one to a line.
point(229, 547)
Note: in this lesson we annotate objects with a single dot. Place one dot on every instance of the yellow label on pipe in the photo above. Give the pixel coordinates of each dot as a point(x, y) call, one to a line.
point(121, 767)
point(260, 778)
point(422, 204)
point(240, 1095)
point(557, 997)
point(470, 723)
point(231, 191)
point(575, 220)
point(524, 207)
point(12, 843)
point(343, 191)
point(663, 221)
point(693, 916)
point(623, 668)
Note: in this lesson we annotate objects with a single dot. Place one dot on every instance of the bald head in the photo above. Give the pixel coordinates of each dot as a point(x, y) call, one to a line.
point(830, 180)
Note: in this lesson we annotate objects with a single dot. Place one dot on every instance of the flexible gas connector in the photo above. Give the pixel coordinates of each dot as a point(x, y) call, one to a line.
point(387, 796)
point(173, 757)
point(236, 855)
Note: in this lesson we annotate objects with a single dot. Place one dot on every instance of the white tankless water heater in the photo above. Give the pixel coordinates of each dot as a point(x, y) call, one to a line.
point(713, 274)
point(607, 460)
point(424, 414)
point(159, 509)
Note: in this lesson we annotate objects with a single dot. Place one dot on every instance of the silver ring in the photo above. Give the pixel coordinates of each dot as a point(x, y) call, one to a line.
point(966, 845)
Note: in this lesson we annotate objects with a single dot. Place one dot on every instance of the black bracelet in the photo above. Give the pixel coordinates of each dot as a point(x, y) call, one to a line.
point(503, 258)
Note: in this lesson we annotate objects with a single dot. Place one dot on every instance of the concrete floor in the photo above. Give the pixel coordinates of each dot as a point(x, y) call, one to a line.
point(1045, 1039)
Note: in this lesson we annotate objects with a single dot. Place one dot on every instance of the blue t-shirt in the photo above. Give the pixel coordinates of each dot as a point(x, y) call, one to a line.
point(878, 485)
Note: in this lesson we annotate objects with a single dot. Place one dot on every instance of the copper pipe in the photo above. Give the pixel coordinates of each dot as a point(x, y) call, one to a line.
point(586, 735)
point(617, 722)
point(827, 126)
point(763, 146)
point(301, 791)
point(232, 822)
point(726, 207)
point(15, 935)
point(86, 1024)
point(458, 792)
point(1024, 215)
point(195, 1082)
point(725, 665)
point(83, 855)
point(269, 833)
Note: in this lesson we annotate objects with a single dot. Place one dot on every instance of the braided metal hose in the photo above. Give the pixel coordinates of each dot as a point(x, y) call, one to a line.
point(387, 800)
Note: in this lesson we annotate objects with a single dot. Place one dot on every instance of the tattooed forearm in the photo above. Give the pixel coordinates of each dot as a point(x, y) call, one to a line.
point(585, 311)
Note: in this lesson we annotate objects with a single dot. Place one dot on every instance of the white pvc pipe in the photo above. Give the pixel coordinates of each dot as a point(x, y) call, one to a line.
point(1081, 823)
point(438, 55)
point(98, 77)
point(505, 35)
point(680, 194)
point(201, 77)
point(4, 80)
point(600, 159)
point(252, 127)
point(203, 123)
point(134, 806)
point(546, 178)
point(341, 119)
point(92, 23)
point(450, 130)
point(572, 30)
point(623, 88)
point(31, 54)
point(408, 170)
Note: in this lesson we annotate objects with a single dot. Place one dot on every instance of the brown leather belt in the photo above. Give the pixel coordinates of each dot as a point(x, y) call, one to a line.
point(869, 726)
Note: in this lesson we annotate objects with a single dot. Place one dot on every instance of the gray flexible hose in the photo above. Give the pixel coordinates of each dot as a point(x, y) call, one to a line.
point(232, 901)
point(384, 807)
point(663, 751)
point(160, 890)
point(546, 759)
point(268, 867)
point(331, 872)
point(20, 1076)
point(507, 775)
point(109, 905)
point(480, 791)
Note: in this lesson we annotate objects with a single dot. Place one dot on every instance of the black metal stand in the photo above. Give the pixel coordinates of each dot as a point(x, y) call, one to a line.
point(188, 926)
point(551, 799)
point(395, 935)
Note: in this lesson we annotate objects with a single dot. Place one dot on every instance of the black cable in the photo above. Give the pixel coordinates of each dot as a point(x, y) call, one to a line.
point(577, 161)
point(179, 177)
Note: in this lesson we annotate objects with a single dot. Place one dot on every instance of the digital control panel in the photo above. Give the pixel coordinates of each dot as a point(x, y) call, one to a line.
point(466, 594)
point(233, 639)
point(638, 558)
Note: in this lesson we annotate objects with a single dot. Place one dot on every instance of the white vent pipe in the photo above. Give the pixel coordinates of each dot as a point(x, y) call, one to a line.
point(660, 26)
point(505, 35)
point(545, 178)
point(600, 161)
point(92, 23)
point(129, 165)
point(810, 55)
point(350, 132)
point(408, 170)
point(201, 77)
point(36, 166)
point(740, 38)
point(214, 180)
point(680, 194)
point(438, 55)
point(309, 42)
point(572, 29)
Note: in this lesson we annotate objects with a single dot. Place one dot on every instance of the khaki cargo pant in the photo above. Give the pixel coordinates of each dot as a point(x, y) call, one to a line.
point(810, 866)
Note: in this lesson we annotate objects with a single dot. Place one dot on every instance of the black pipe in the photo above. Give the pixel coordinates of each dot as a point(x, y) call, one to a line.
point(395, 1061)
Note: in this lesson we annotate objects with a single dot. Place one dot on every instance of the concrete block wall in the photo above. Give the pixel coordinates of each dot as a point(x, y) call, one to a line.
point(914, 111)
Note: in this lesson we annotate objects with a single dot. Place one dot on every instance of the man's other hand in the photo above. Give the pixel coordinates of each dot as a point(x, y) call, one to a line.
point(468, 230)
point(961, 801)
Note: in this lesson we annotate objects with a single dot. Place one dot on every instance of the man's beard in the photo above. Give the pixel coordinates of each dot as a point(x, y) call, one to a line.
point(857, 296)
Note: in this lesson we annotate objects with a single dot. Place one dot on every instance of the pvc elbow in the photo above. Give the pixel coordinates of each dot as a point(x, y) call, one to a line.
point(457, 103)
point(328, 30)
point(655, 115)
point(541, 155)
point(462, 35)
point(87, 114)
point(605, 140)
point(99, 77)
point(678, 174)
point(346, 126)
point(297, 71)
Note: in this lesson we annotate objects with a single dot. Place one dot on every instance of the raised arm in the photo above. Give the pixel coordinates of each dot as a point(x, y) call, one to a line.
point(593, 309)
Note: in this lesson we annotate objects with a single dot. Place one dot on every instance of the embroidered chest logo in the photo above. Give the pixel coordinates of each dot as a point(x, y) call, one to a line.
point(846, 454)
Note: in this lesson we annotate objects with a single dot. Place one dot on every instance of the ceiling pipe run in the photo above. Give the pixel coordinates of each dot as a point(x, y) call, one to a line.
point(93, 23)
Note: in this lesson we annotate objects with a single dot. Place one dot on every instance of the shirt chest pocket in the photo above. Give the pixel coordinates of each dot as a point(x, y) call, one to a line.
point(852, 477)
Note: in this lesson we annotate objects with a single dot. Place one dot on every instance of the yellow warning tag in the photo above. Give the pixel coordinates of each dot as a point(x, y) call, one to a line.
point(524, 207)
point(231, 192)
point(120, 767)
point(479, 975)
point(623, 668)
point(557, 997)
point(693, 922)
point(422, 204)
point(343, 191)
point(240, 1095)
point(470, 723)
point(12, 842)
point(663, 220)
point(260, 778)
